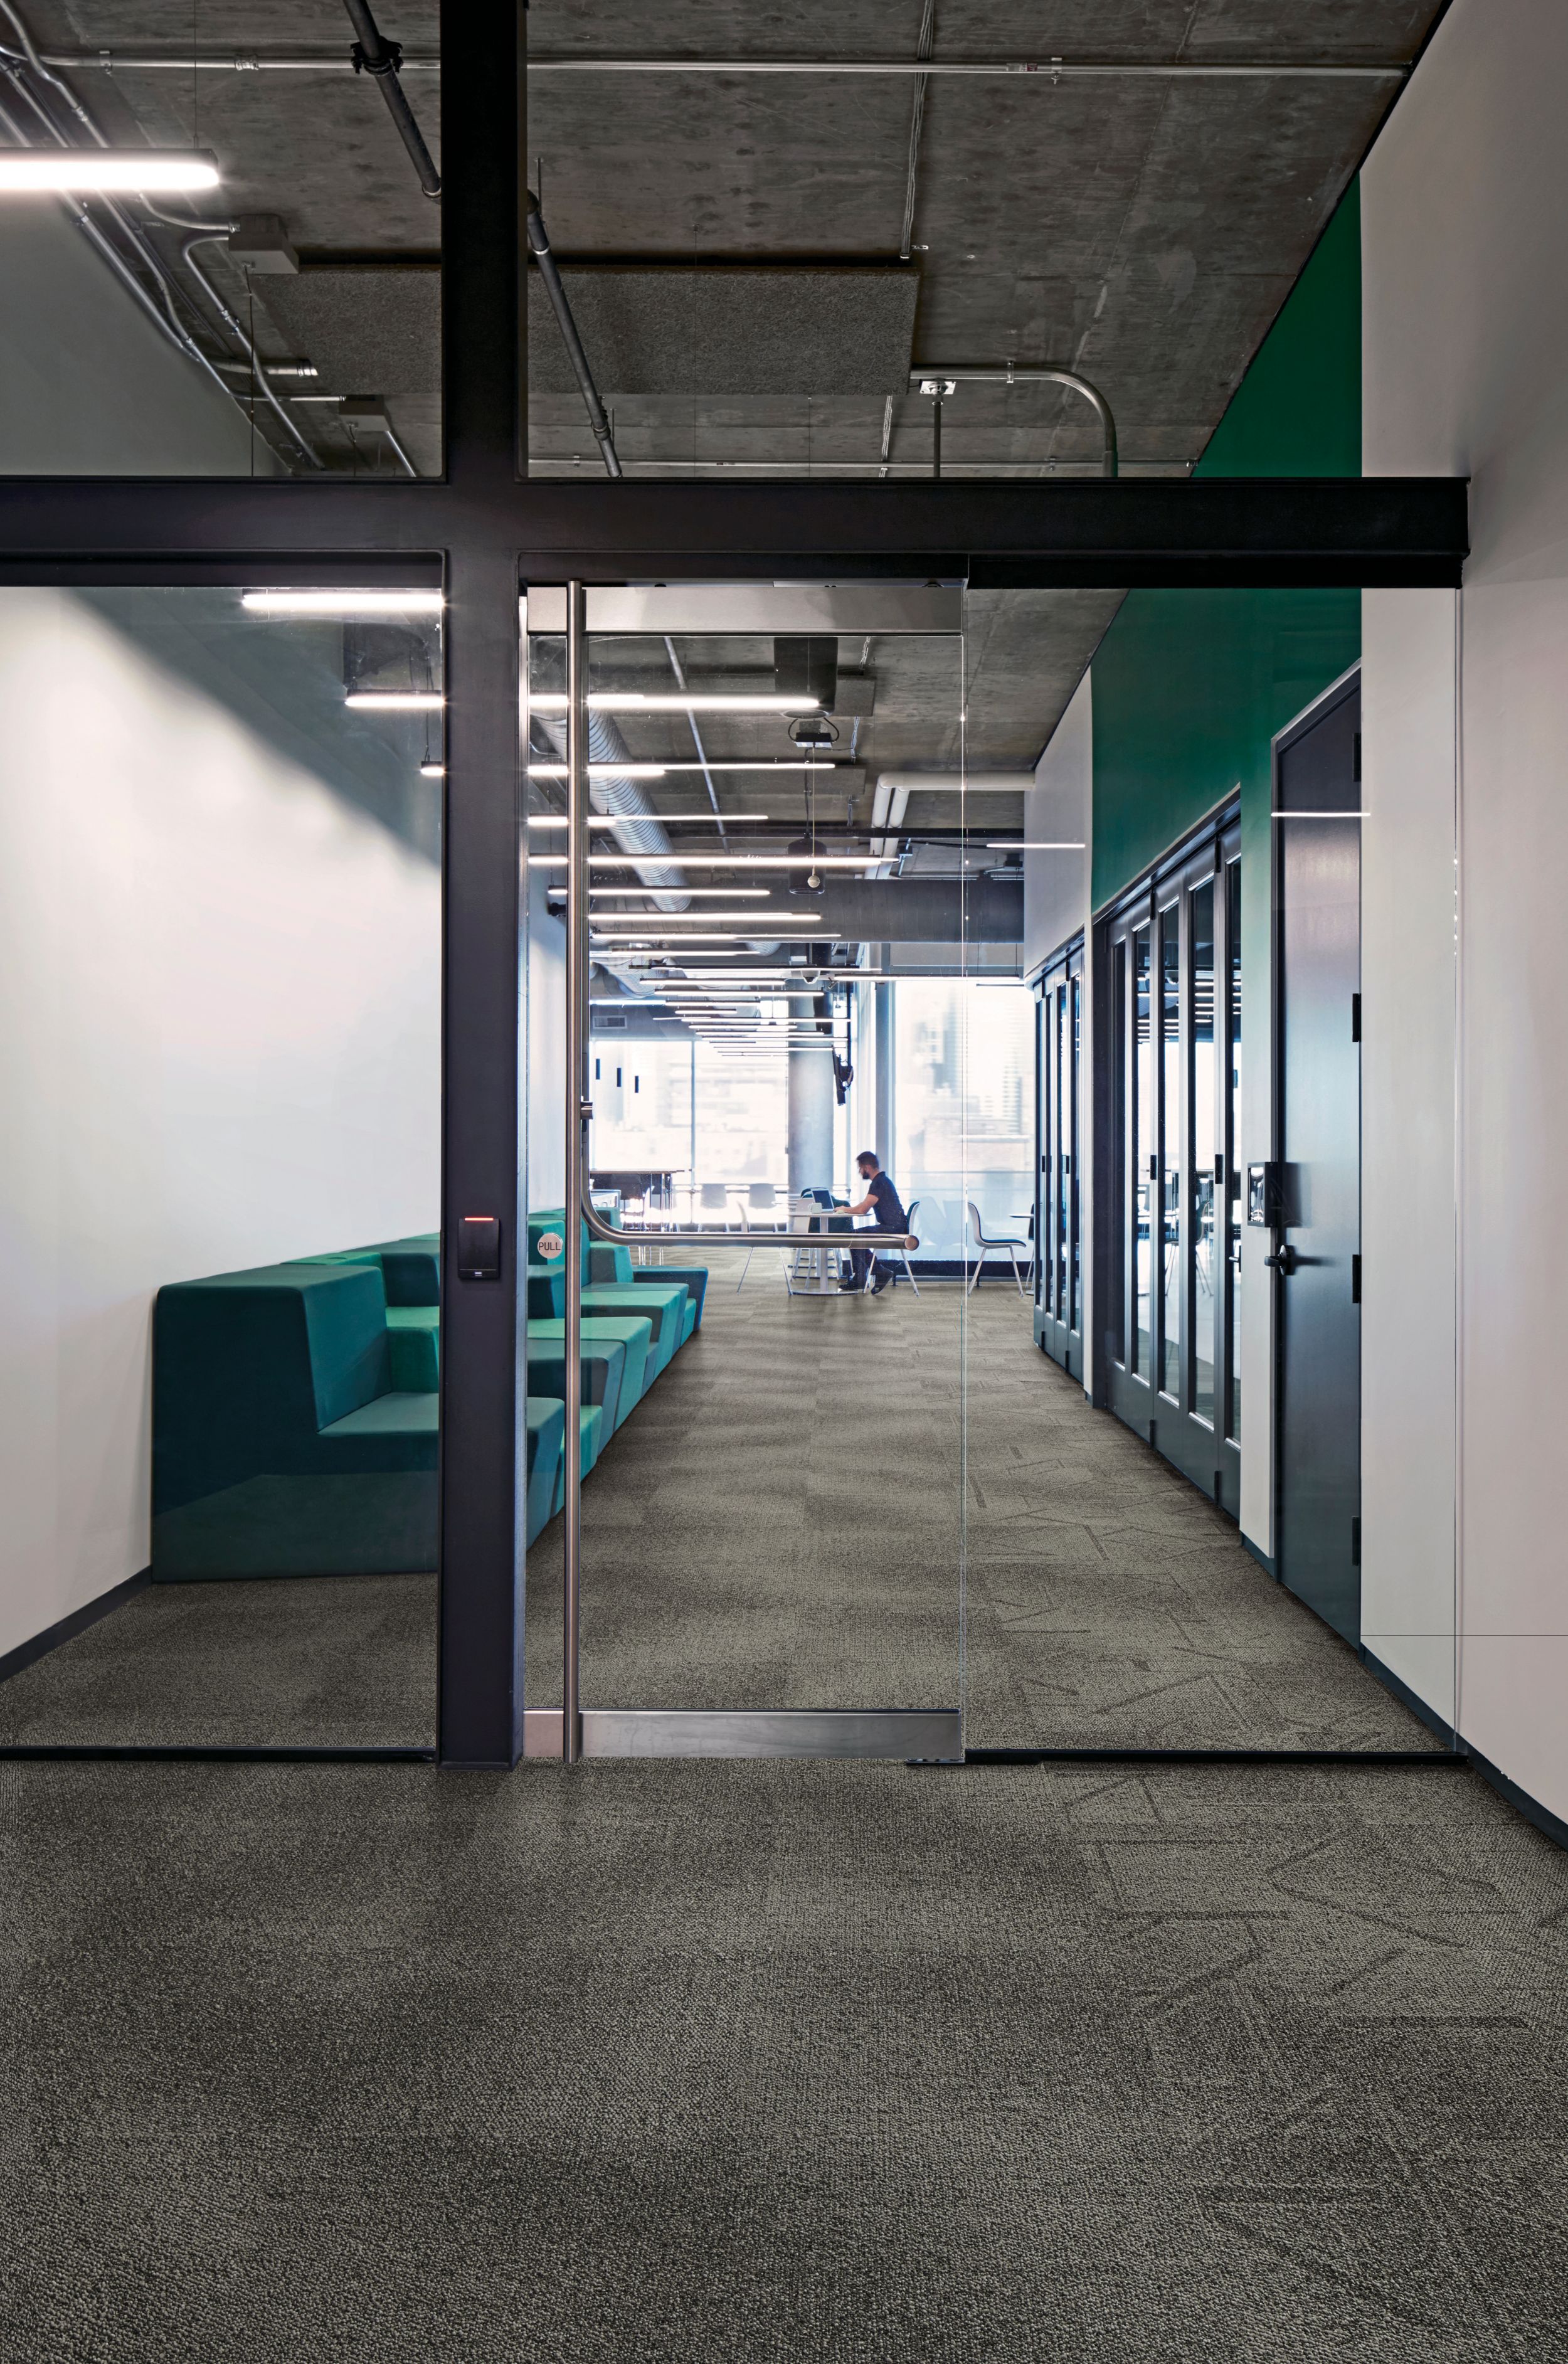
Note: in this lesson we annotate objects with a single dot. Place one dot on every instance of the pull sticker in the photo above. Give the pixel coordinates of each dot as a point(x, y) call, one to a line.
point(551, 1246)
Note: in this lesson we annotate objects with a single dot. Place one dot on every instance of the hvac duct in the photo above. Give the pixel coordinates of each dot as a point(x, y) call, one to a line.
point(638, 830)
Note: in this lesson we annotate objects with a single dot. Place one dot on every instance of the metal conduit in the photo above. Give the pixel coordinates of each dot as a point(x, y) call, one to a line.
point(598, 424)
point(383, 59)
point(1008, 375)
point(168, 320)
point(1047, 69)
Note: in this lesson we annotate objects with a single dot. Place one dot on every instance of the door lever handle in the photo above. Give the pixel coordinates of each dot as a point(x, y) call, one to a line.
point(1286, 1261)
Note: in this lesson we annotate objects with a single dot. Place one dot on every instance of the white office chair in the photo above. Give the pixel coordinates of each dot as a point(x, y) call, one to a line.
point(985, 1247)
point(910, 1212)
point(713, 1199)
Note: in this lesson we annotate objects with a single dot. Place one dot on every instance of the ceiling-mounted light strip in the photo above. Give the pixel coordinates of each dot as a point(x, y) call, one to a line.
point(343, 603)
point(88, 169)
point(759, 894)
point(641, 701)
point(1034, 845)
point(598, 820)
point(432, 770)
point(395, 702)
point(656, 770)
point(690, 861)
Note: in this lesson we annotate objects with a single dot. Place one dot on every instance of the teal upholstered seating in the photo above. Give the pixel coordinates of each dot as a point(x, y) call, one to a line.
point(295, 1407)
point(281, 1443)
point(604, 1372)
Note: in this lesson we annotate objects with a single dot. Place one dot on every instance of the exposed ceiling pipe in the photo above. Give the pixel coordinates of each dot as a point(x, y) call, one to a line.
point(598, 423)
point(929, 380)
point(381, 60)
point(638, 829)
point(163, 313)
point(1046, 71)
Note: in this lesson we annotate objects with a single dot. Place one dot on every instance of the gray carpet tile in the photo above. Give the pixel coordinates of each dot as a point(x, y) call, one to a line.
point(780, 2061)
point(785, 1522)
point(339, 1661)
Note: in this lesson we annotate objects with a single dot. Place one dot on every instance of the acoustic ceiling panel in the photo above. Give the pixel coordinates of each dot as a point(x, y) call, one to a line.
point(728, 330)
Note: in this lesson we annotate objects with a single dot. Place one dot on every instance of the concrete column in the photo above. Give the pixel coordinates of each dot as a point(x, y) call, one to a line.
point(810, 1071)
point(886, 1101)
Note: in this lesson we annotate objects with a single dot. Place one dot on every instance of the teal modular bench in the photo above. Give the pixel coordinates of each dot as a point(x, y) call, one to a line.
point(282, 1445)
point(295, 1407)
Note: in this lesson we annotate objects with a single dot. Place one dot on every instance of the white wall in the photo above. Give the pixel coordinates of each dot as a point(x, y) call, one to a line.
point(1465, 236)
point(1057, 810)
point(88, 384)
point(1407, 1138)
point(222, 1048)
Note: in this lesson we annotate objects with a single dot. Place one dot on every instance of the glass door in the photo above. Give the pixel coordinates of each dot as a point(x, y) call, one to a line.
point(757, 1544)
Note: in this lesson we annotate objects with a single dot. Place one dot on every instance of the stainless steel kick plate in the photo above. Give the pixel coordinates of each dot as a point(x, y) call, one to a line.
point(724, 1732)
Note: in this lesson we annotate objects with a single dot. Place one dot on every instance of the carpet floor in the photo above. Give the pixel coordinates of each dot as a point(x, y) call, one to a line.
point(900, 1502)
point(752, 2061)
point(896, 1503)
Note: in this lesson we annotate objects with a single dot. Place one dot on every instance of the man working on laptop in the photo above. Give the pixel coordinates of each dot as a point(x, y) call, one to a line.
point(881, 1203)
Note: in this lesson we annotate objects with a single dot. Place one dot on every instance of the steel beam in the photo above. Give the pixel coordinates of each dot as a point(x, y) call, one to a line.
point(1142, 531)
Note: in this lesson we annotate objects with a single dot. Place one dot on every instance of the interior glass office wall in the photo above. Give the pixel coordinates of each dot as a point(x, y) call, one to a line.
point(261, 297)
point(221, 881)
point(772, 1494)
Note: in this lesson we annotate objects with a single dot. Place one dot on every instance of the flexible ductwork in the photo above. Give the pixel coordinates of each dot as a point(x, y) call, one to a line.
point(638, 830)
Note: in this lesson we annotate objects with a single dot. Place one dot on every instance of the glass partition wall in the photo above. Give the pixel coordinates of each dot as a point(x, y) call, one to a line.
point(222, 827)
point(771, 1415)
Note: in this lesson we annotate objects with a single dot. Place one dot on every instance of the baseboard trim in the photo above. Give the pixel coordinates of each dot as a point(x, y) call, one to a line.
point(1264, 1562)
point(196, 1752)
point(65, 1629)
point(1407, 1697)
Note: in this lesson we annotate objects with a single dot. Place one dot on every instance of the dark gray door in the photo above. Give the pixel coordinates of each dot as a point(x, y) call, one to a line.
point(1317, 1248)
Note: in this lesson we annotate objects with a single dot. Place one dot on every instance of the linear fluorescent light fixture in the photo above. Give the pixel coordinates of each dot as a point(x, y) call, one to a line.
point(596, 820)
point(343, 603)
point(657, 771)
point(87, 169)
point(641, 701)
point(395, 702)
point(1034, 845)
point(600, 771)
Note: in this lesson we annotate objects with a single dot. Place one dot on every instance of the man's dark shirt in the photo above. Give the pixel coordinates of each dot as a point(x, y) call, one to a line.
point(889, 1211)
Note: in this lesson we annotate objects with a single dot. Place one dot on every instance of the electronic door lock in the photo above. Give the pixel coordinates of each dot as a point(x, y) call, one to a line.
point(1265, 1194)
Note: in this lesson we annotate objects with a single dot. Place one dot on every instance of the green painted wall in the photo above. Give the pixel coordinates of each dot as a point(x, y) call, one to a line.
point(1297, 412)
point(1190, 687)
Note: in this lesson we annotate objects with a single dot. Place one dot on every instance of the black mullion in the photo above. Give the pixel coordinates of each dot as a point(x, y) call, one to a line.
point(480, 1720)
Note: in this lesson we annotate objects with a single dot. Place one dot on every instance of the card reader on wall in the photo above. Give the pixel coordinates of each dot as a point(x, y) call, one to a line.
point(479, 1247)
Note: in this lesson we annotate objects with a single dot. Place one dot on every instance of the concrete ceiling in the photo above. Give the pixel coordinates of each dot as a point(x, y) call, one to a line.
point(1144, 231)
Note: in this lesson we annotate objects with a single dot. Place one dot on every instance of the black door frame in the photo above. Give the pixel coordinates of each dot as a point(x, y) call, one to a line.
point(489, 529)
point(1202, 1450)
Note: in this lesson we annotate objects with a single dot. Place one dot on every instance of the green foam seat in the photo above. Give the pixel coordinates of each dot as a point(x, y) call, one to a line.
point(414, 1341)
point(630, 1338)
point(664, 1307)
point(546, 1436)
point(603, 1364)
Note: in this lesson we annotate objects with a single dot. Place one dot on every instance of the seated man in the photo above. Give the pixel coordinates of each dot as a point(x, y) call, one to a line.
point(882, 1202)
